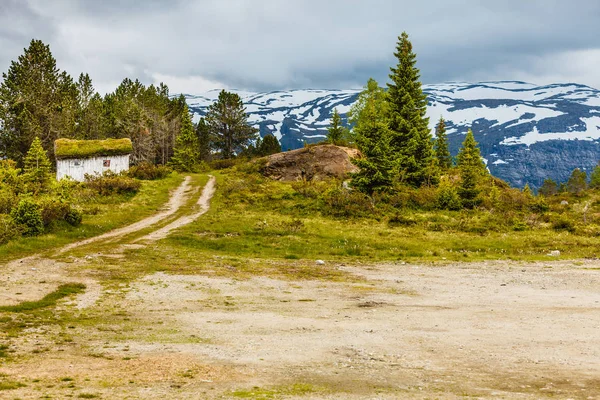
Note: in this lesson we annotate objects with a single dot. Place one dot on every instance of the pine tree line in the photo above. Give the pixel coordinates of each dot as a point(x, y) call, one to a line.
point(39, 100)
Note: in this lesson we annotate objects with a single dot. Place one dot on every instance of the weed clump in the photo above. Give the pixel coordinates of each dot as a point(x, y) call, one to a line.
point(109, 184)
point(49, 300)
point(149, 172)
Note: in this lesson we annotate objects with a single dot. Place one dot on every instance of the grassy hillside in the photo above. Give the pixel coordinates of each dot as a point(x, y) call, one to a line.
point(256, 218)
point(100, 214)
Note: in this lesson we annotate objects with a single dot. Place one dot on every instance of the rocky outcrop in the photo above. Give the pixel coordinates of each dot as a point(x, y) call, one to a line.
point(311, 163)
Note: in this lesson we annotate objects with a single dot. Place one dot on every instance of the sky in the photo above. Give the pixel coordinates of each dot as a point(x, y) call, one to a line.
point(264, 45)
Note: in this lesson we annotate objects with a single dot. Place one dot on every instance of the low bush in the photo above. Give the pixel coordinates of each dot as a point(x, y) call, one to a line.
point(149, 172)
point(110, 183)
point(447, 198)
point(74, 216)
point(7, 199)
point(53, 209)
point(223, 164)
point(563, 224)
point(66, 189)
point(340, 202)
point(28, 216)
point(401, 220)
point(8, 228)
point(309, 189)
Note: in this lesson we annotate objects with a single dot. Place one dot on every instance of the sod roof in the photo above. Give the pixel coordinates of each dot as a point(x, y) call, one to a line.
point(69, 148)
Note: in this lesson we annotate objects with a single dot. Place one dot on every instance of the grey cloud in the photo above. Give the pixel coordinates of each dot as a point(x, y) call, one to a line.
point(273, 44)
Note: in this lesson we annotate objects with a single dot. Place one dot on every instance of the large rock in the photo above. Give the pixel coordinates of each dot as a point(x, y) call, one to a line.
point(311, 163)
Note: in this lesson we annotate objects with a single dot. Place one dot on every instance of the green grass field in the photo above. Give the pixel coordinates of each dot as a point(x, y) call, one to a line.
point(105, 214)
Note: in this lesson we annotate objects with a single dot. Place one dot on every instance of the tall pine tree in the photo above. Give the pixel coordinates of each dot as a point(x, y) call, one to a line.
point(337, 132)
point(204, 141)
point(372, 137)
point(442, 152)
point(595, 178)
point(37, 166)
point(472, 169)
point(227, 122)
point(577, 182)
point(186, 150)
point(411, 140)
point(469, 155)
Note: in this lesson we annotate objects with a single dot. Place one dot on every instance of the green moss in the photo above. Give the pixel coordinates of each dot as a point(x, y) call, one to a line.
point(69, 148)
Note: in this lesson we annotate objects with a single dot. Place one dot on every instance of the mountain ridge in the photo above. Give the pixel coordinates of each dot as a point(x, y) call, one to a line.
point(526, 132)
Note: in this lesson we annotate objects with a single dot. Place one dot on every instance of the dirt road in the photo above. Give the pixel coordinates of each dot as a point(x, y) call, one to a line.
point(177, 199)
point(32, 277)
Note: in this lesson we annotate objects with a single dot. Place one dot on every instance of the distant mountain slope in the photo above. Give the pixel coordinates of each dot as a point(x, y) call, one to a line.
point(526, 132)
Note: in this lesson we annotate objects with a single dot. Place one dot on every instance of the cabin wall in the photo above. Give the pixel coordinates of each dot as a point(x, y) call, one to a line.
point(77, 168)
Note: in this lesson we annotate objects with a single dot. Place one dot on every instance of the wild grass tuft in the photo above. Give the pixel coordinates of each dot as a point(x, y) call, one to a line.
point(48, 301)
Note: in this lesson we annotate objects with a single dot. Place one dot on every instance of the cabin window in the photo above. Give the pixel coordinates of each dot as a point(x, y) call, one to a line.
point(77, 163)
point(106, 163)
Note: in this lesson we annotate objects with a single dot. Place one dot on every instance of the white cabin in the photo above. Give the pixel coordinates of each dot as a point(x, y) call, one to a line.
point(77, 158)
point(77, 168)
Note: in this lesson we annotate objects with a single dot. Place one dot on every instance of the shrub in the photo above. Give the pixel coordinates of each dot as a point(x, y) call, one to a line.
point(563, 224)
point(27, 214)
point(149, 172)
point(65, 188)
point(294, 226)
point(343, 203)
point(7, 199)
point(424, 198)
point(74, 216)
point(539, 205)
point(53, 210)
point(110, 183)
point(447, 198)
point(401, 220)
point(223, 164)
point(8, 228)
point(519, 225)
point(9, 175)
point(309, 189)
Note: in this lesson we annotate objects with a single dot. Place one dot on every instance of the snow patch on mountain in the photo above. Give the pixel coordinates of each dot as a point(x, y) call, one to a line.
point(592, 132)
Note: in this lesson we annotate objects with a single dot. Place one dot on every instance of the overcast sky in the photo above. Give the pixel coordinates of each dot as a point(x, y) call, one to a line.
point(261, 45)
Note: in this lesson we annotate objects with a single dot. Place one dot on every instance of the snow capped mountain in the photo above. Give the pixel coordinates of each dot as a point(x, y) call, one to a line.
point(526, 132)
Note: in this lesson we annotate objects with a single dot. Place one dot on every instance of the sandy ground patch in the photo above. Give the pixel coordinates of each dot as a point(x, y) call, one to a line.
point(487, 330)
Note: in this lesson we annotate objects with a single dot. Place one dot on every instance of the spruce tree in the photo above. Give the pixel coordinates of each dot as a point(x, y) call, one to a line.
point(372, 137)
point(37, 169)
point(577, 182)
point(595, 178)
point(269, 145)
point(548, 188)
point(442, 152)
point(471, 169)
point(228, 124)
point(411, 141)
point(204, 141)
point(470, 156)
point(185, 153)
point(528, 192)
point(337, 132)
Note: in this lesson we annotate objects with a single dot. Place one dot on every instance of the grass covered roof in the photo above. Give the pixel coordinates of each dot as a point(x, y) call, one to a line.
point(69, 148)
